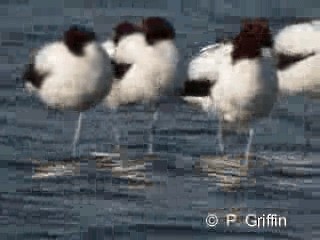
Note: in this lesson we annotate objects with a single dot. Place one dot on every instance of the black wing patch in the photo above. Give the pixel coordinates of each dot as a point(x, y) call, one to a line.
point(33, 76)
point(198, 88)
point(120, 69)
point(285, 61)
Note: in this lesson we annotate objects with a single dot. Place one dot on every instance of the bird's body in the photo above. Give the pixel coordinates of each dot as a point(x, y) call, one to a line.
point(297, 50)
point(144, 59)
point(70, 81)
point(238, 92)
point(245, 90)
point(70, 74)
point(150, 75)
point(243, 84)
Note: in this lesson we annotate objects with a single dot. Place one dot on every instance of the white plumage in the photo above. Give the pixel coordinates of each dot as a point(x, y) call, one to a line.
point(73, 82)
point(109, 48)
point(244, 81)
point(297, 49)
point(301, 38)
point(71, 74)
point(151, 74)
point(245, 90)
point(205, 65)
point(300, 41)
point(145, 59)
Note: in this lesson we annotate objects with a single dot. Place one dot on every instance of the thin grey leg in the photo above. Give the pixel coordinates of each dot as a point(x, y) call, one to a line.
point(115, 129)
point(274, 107)
point(307, 129)
point(116, 136)
point(220, 137)
point(76, 136)
point(155, 118)
point(248, 148)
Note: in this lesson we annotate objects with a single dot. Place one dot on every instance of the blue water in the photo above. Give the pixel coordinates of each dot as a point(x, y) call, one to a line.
point(46, 195)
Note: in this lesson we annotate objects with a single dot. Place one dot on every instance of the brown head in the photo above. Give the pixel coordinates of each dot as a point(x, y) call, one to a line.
point(157, 29)
point(124, 29)
point(76, 38)
point(261, 28)
point(254, 35)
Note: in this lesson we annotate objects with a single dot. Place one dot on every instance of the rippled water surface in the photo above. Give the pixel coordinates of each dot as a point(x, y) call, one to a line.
point(45, 194)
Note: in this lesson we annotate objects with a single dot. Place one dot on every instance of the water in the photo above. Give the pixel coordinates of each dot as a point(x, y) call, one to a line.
point(45, 195)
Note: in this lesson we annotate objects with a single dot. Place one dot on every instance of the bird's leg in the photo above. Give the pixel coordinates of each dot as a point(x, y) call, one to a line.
point(115, 130)
point(115, 135)
point(155, 117)
point(274, 107)
point(220, 137)
point(307, 129)
point(77, 135)
point(248, 148)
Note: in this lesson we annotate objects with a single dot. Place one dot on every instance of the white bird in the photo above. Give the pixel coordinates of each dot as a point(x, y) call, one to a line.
point(70, 74)
point(145, 59)
point(297, 50)
point(234, 80)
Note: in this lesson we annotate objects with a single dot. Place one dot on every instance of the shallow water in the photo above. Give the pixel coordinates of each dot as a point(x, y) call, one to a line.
point(46, 195)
